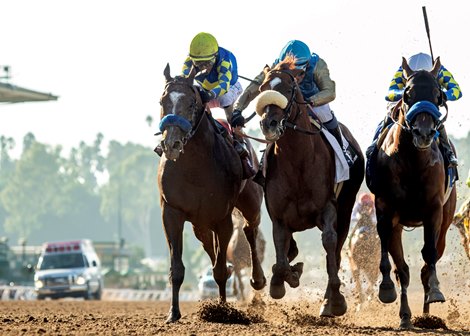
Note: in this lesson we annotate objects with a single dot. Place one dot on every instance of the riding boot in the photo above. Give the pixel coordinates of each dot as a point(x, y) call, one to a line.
point(447, 148)
point(336, 132)
point(259, 177)
point(248, 170)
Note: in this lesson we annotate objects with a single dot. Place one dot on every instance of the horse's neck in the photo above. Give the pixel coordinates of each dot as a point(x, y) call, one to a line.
point(297, 139)
point(203, 135)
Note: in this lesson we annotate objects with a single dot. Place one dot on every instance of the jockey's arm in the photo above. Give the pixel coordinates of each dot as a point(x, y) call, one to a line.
point(447, 81)
point(396, 87)
point(326, 85)
point(250, 93)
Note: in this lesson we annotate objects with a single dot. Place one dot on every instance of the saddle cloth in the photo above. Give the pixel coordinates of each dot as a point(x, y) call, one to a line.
point(342, 167)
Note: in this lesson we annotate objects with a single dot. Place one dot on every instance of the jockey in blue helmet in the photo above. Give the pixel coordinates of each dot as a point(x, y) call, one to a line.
point(318, 89)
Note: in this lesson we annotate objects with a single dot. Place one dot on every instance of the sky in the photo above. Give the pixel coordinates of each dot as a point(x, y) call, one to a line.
point(105, 58)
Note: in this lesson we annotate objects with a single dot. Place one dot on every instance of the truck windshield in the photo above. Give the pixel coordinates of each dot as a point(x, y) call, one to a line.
point(63, 260)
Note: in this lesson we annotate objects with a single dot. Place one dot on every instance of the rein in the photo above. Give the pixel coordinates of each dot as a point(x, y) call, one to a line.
point(285, 123)
point(177, 120)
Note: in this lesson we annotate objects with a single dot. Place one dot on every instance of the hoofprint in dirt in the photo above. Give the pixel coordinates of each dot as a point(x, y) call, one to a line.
point(284, 317)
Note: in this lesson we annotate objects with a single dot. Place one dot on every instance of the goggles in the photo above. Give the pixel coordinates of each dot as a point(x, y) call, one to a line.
point(204, 64)
point(302, 66)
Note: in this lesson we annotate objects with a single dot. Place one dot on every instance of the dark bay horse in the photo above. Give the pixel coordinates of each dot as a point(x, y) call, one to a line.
point(410, 189)
point(200, 181)
point(300, 184)
point(239, 252)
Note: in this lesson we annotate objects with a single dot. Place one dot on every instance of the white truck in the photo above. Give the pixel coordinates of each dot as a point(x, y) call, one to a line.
point(68, 269)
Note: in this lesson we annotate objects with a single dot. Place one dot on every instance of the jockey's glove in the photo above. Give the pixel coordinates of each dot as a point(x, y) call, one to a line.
point(207, 96)
point(237, 119)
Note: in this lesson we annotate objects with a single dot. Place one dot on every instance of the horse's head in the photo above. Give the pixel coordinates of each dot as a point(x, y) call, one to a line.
point(422, 98)
point(181, 107)
point(278, 93)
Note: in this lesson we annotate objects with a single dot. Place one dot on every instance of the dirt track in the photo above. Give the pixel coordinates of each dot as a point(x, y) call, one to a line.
point(148, 318)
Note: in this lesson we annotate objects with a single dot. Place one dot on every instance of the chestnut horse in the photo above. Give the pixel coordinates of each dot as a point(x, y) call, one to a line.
point(410, 189)
point(200, 181)
point(239, 253)
point(300, 184)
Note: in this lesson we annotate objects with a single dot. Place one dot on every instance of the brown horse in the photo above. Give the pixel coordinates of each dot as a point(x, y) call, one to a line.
point(239, 253)
point(300, 184)
point(364, 249)
point(462, 222)
point(410, 189)
point(200, 181)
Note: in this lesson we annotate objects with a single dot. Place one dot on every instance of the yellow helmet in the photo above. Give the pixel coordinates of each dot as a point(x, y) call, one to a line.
point(203, 47)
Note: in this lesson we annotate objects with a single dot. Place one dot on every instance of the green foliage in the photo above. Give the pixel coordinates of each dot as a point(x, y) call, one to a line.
point(34, 189)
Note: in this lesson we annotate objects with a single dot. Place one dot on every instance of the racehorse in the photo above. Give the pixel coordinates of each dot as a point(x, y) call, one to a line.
point(239, 254)
point(364, 249)
point(300, 183)
point(462, 222)
point(200, 181)
point(410, 189)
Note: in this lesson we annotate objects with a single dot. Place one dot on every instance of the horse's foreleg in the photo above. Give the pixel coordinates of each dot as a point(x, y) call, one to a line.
point(334, 303)
point(222, 236)
point(387, 292)
point(403, 274)
point(173, 223)
point(356, 276)
point(281, 268)
point(430, 253)
point(239, 285)
point(258, 280)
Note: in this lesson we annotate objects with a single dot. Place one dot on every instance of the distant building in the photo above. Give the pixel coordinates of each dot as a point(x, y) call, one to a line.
point(10, 93)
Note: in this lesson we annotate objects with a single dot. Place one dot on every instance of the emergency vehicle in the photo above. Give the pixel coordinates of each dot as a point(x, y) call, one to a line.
point(68, 269)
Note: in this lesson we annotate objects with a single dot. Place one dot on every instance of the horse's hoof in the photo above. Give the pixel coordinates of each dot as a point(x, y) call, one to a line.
point(333, 308)
point(405, 323)
point(277, 291)
point(173, 317)
point(435, 296)
point(258, 285)
point(298, 268)
point(387, 293)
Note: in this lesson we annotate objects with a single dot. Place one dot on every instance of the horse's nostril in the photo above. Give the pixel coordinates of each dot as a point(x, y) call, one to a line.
point(178, 145)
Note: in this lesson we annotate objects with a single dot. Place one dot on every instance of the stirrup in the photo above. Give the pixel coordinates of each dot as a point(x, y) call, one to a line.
point(349, 158)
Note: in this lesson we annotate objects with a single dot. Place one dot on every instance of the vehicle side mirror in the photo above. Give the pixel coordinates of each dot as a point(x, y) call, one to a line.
point(94, 263)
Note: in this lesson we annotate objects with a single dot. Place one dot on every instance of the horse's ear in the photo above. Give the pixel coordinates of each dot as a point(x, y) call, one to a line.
point(436, 67)
point(266, 69)
point(166, 73)
point(406, 68)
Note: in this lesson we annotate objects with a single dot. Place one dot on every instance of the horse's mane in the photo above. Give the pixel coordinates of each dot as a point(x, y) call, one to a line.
point(398, 130)
point(287, 63)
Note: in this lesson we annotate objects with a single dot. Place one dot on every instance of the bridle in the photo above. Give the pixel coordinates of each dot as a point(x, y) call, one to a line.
point(287, 111)
point(406, 107)
point(189, 127)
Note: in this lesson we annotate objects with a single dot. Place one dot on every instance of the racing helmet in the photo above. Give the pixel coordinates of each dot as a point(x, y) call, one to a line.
point(420, 61)
point(299, 50)
point(204, 47)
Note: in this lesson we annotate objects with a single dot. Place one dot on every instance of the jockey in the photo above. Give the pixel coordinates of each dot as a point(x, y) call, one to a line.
point(317, 87)
point(217, 74)
point(363, 209)
point(451, 88)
